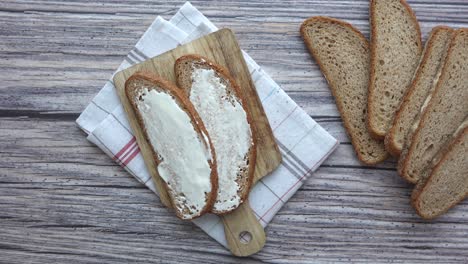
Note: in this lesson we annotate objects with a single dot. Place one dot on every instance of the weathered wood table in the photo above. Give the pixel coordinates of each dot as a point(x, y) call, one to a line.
point(64, 201)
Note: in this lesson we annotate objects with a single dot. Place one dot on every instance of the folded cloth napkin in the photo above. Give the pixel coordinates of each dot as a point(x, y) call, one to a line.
point(303, 143)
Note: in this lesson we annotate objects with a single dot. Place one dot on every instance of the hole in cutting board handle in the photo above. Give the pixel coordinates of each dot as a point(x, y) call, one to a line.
point(245, 237)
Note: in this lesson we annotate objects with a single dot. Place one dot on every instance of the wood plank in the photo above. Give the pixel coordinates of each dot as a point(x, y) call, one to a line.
point(49, 172)
point(73, 203)
point(67, 39)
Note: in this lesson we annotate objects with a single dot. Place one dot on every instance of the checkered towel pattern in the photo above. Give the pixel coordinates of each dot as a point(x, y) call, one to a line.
point(303, 143)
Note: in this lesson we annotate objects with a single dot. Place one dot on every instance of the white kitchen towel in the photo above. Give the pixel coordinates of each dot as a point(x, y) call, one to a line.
point(303, 143)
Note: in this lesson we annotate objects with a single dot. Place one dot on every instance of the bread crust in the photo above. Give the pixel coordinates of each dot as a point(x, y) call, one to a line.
point(415, 199)
point(404, 159)
point(330, 82)
point(390, 142)
point(372, 130)
point(224, 74)
point(196, 122)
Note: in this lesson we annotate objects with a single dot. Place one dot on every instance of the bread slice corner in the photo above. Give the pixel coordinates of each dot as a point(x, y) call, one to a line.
point(185, 68)
point(334, 44)
point(136, 87)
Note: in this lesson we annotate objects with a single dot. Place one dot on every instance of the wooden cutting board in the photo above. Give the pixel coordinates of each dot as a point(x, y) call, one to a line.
point(222, 48)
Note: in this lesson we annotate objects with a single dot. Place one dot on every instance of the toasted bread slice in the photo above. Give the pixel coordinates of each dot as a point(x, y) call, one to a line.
point(342, 53)
point(181, 146)
point(217, 98)
point(422, 85)
point(447, 108)
point(395, 53)
point(448, 182)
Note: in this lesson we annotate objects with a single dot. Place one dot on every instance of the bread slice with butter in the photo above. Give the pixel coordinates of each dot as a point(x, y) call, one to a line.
point(422, 85)
point(220, 103)
point(342, 53)
point(445, 110)
point(181, 146)
point(447, 184)
point(395, 53)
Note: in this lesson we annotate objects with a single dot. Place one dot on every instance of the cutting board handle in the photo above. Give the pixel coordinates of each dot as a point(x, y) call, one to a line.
point(244, 234)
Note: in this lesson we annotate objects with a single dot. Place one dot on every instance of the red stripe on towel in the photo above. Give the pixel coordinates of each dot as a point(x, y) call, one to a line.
point(132, 156)
point(117, 156)
point(128, 152)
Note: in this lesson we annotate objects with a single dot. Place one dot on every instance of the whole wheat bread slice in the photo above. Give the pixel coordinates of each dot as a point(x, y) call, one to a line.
point(395, 53)
point(446, 110)
point(220, 103)
point(422, 85)
point(448, 182)
point(437, 158)
point(342, 53)
point(193, 192)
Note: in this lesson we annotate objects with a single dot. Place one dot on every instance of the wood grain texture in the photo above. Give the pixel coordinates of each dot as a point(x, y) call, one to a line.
point(63, 201)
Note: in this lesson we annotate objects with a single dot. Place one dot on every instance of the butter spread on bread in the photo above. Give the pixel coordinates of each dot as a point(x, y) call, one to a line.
point(214, 95)
point(181, 146)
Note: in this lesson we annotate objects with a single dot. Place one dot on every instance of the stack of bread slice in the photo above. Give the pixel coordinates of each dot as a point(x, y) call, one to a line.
point(201, 135)
point(397, 98)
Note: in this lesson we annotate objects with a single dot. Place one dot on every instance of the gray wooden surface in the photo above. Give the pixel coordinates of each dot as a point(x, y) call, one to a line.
point(64, 201)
